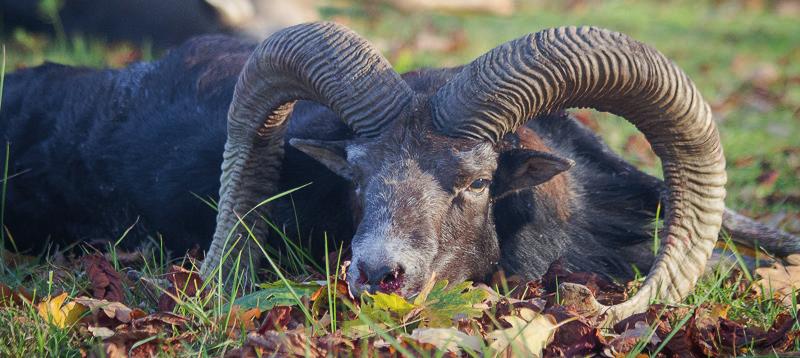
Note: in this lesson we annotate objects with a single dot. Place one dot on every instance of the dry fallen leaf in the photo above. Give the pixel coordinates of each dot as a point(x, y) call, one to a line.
point(145, 336)
point(114, 350)
point(575, 336)
point(449, 339)
point(278, 318)
point(337, 345)
point(241, 319)
point(641, 331)
point(113, 312)
point(100, 332)
point(59, 313)
point(528, 335)
point(780, 281)
point(105, 280)
point(293, 343)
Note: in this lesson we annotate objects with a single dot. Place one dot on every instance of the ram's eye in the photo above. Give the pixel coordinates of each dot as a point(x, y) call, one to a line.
point(479, 185)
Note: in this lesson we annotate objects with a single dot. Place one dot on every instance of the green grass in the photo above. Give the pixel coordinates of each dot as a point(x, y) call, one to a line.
point(24, 332)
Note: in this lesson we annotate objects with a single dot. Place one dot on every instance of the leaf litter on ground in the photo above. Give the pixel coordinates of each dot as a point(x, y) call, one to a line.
point(525, 318)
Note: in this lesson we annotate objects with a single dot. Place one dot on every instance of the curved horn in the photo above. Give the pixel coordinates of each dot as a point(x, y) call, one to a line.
point(590, 67)
point(322, 62)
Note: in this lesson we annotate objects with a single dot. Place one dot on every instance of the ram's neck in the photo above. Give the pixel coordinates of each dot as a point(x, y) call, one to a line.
point(598, 215)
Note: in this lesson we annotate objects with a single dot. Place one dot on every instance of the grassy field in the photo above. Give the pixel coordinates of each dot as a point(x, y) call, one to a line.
point(741, 54)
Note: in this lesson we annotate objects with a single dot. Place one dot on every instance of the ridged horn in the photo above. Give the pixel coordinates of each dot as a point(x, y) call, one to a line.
point(322, 62)
point(590, 67)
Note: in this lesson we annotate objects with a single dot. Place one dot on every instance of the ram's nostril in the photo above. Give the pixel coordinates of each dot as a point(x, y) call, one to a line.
point(390, 276)
point(393, 280)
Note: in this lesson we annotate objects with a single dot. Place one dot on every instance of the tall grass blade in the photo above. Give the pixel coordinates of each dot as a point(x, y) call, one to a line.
point(278, 272)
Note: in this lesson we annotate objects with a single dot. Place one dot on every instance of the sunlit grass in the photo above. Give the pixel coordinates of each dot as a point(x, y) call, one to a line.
point(211, 315)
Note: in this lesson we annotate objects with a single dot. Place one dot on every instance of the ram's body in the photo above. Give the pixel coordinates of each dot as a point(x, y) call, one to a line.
point(93, 150)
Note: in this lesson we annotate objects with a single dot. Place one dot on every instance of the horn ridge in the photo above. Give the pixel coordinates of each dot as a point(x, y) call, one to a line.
point(322, 62)
point(589, 67)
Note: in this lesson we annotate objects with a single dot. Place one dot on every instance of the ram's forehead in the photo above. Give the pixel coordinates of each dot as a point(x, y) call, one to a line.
point(480, 150)
point(477, 157)
point(434, 152)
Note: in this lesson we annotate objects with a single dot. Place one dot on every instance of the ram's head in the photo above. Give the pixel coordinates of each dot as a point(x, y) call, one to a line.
point(426, 167)
point(424, 200)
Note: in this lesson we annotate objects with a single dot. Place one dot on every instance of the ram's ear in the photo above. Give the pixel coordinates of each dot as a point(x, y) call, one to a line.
point(331, 154)
point(520, 169)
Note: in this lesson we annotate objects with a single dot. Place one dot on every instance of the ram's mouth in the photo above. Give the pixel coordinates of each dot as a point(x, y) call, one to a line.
point(393, 282)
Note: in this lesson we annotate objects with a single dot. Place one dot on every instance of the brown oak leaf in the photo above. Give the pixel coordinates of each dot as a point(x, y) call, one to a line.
point(575, 336)
point(105, 280)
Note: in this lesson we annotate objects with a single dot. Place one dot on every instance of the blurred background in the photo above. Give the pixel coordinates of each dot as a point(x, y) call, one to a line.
point(743, 54)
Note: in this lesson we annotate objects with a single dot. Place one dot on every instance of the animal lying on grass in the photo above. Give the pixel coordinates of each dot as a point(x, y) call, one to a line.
point(439, 170)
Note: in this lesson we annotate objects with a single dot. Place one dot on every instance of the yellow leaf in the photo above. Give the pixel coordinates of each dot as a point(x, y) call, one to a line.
point(61, 314)
point(719, 311)
point(392, 302)
point(528, 335)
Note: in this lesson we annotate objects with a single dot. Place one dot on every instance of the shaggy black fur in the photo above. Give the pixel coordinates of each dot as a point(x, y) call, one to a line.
point(92, 151)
